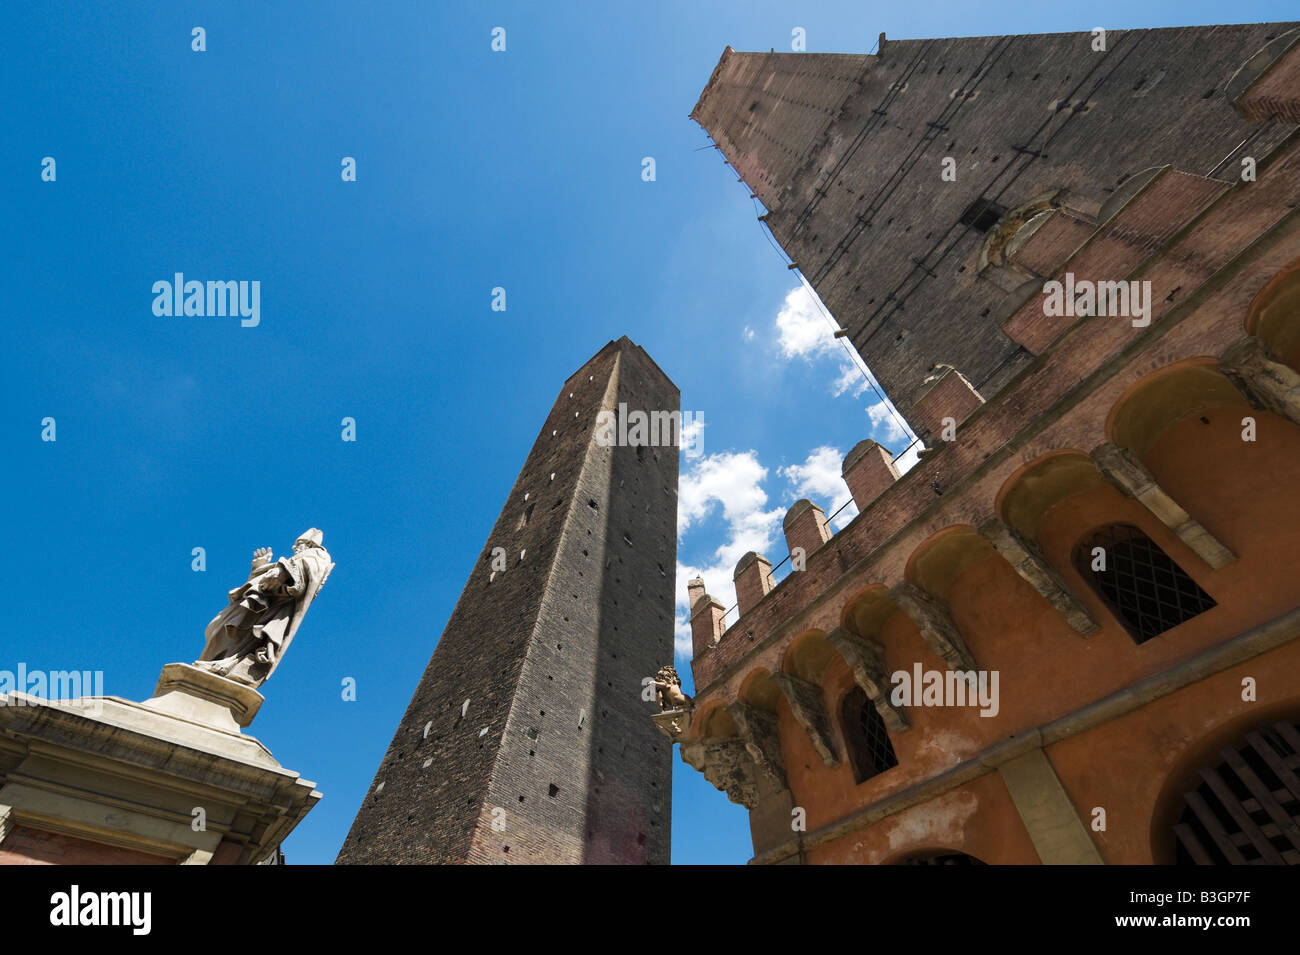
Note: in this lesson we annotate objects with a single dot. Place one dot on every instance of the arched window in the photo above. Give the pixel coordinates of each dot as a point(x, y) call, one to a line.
point(941, 858)
point(1246, 810)
point(865, 736)
point(1141, 584)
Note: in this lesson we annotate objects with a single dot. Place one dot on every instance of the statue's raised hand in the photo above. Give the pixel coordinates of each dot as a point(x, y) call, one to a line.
point(261, 557)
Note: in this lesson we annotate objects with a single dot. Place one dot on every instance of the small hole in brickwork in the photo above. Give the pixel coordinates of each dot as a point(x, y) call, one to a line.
point(521, 798)
point(593, 505)
point(506, 848)
point(554, 790)
point(543, 712)
point(531, 753)
point(1204, 420)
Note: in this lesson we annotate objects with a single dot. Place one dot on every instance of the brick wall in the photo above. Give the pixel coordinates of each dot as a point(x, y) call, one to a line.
point(846, 151)
point(26, 846)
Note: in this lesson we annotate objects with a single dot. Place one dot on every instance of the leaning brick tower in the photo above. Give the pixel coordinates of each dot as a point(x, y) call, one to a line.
point(527, 739)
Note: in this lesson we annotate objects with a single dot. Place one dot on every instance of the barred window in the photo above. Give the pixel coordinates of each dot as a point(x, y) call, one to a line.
point(1144, 588)
point(941, 858)
point(1246, 809)
point(867, 740)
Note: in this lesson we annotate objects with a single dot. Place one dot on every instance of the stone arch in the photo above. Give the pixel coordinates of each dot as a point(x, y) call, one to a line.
point(935, 856)
point(1251, 755)
point(807, 656)
point(1166, 396)
point(800, 680)
point(940, 558)
point(865, 614)
point(1274, 315)
point(714, 722)
point(1014, 228)
point(758, 690)
point(1028, 494)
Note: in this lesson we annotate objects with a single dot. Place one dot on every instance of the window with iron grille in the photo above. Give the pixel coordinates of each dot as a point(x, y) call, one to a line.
point(870, 751)
point(1141, 584)
point(1246, 809)
point(983, 214)
point(941, 858)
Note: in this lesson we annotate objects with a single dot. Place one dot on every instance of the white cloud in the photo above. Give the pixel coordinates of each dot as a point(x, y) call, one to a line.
point(819, 480)
point(851, 380)
point(819, 476)
point(733, 481)
point(748, 334)
point(692, 437)
point(885, 419)
point(802, 329)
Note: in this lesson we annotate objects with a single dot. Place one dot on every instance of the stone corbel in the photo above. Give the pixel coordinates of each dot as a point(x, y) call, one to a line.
point(6, 821)
point(1266, 382)
point(727, 765)
point(806, 704)
point(1038, 574)
point(758, 730)
point(1131, 476)
point(935, 624)
point(866, 658)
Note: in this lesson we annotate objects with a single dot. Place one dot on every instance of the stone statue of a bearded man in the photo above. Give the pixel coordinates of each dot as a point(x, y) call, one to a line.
point(247, 640)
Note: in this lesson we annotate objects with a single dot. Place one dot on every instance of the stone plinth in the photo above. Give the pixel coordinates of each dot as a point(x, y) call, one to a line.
point(673, 723)
point(188, 693)
point(171, 780)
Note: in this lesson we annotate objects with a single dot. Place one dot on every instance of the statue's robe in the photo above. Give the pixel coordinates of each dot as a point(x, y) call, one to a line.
point(264, 612)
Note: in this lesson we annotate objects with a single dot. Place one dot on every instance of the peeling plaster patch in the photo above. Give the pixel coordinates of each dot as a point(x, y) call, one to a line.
point(946, 748)
point(937, 823)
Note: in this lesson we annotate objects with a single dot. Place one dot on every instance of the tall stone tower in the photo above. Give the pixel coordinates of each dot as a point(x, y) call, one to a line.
point(905, 186)
point(527, 739)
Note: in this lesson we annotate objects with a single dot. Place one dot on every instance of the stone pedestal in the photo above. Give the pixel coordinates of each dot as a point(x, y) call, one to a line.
point(197, 696)
point(673, 723)
point(171, 780)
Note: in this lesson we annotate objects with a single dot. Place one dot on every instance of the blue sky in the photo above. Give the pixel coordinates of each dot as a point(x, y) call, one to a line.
point(475, 170)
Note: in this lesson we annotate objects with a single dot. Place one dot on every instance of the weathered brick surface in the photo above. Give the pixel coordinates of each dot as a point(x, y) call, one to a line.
point(869, 471)
point(26, 846)
point(1062, 402)
point(845, 151)
point(1275, 96)
point(550, 655)
point(1144, 225)
point(951, 396)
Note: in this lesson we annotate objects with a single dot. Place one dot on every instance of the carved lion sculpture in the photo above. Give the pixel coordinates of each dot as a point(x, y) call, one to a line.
point(668, 690)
